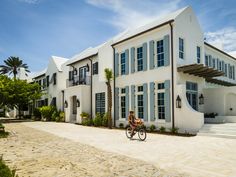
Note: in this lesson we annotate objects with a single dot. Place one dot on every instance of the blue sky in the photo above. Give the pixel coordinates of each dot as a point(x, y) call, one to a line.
point(34, 30)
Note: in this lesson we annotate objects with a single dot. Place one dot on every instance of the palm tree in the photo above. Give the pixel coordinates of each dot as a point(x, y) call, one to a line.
point(109, 76)
point(12, 65)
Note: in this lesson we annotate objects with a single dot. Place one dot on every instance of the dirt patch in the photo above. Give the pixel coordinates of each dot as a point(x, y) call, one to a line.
point(37, 153)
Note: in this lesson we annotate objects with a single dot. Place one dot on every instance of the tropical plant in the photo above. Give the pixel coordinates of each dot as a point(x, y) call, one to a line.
point(98, 120)
point(174, 130)
point(5, 171)
point(12, 65)
point(47, 112)
point(84, 115)
point(105, 120)
point(152, 128)
point(162, 129)
point(109, 76)
point(121, 125)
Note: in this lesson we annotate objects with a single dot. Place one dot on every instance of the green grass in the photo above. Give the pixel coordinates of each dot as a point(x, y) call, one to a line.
point(4, 134)
point(5, 171)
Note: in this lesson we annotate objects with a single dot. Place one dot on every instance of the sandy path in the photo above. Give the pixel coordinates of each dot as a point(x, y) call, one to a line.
point(196, 156)
point(36, 153)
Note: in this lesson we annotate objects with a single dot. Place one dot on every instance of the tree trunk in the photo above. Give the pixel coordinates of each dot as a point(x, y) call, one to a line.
point(109, 101)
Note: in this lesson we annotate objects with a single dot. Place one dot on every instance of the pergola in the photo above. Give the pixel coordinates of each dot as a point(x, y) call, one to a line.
point(206, 72)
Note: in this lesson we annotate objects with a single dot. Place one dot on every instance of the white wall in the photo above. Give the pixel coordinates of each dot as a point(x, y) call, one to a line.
point(220, 100)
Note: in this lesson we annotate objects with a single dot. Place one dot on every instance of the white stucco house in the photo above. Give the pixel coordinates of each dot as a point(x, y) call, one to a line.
point(52, 81)
point(164, 71)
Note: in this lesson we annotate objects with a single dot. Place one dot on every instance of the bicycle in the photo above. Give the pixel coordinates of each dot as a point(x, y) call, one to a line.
point(142, 134)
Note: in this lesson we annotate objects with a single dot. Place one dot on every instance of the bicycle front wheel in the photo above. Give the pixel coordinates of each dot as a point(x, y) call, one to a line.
point(128, 132)
point(142, 134)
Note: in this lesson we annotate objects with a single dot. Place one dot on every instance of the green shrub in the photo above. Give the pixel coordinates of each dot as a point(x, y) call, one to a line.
point(121, 125)
point(55, 115)
point(84, 115)
point(47, 111)
point(105, 120)
point(37, 114)
point(87, 122)
point(5, 170)
point(152, 128)
point(98, 120)
point(174, 130)
point(61, 117)
point(162, 129)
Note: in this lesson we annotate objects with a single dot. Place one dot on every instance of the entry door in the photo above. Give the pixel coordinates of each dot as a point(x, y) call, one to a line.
point(82, 75)
point(192, 99)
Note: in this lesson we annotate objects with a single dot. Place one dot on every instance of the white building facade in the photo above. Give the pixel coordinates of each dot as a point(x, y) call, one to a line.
point(164, 71)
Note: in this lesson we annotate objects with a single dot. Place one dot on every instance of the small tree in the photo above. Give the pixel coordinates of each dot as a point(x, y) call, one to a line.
point(18, 93)
point(109, 76)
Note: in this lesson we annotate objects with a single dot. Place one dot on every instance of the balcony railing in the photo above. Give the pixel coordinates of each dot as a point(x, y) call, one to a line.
point(79, 81)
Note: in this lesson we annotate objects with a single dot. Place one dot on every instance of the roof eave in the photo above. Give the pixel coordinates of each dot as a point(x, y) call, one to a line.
point(143, 32)
point(82, 59)
point(221, 51)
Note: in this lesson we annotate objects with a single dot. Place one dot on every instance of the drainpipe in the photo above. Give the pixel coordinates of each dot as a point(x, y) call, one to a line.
point(114, 86)
point(172, 80)
point(91, 87)
point(63, 100)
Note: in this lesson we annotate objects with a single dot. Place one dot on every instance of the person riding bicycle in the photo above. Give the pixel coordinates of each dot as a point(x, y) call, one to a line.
point(132, 122)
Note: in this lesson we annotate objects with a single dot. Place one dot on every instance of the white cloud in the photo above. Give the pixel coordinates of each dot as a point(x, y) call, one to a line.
point(135, 13)
point(225, 37)
point(29, 1)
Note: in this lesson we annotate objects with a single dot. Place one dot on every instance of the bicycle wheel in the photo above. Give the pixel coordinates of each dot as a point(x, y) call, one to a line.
point(142, 134)
point(128, 132)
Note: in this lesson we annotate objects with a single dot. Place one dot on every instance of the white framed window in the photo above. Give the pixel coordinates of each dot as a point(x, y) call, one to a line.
point(140, 103)
point(139, 57)
point(226, 70)
point(160, 53)
point(213, 62)
point(198, 54)
point(123, 104)
point(160, 100)
point(122, 63)
point(181, 48)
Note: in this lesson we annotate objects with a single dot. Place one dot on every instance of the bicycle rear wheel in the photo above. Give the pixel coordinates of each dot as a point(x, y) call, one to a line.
point(142, 134)
point(128, 132)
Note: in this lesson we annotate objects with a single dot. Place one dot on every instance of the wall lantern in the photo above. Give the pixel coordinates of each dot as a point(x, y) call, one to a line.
point(201, 99)
point(77, 103)
point(66, 104)
point(87, 67)
point(178, 102)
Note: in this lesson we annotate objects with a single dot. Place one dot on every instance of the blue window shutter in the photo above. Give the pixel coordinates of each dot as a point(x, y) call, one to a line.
point(210, 61)
point(127, 61)
point(132, 58)
point(166, 50)
point(117, 103)
point(217, 64)
point(116, 64)
point(152, 101)
point(133, 97)
point(151, 54)
point(127, 101)
point(223, 66)
point(229, 70)
point(145, 56)
point(145, 102)
point(167, 101)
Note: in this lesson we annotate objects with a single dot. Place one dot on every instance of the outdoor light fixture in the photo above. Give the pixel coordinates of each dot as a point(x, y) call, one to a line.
point(66, 104)
point(201, 99)
point(178, 102)
point(77, 103)
point(87, 67)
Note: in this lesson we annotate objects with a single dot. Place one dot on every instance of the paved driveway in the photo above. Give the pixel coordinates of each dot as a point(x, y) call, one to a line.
point(197, 156)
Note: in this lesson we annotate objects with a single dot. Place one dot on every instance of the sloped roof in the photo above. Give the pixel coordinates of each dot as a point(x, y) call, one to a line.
point(148, 26)
point(85, 54)
point(59, 61)
point(37, 74)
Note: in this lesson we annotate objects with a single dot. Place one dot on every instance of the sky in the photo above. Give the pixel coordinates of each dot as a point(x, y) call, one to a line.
point(34, 30)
